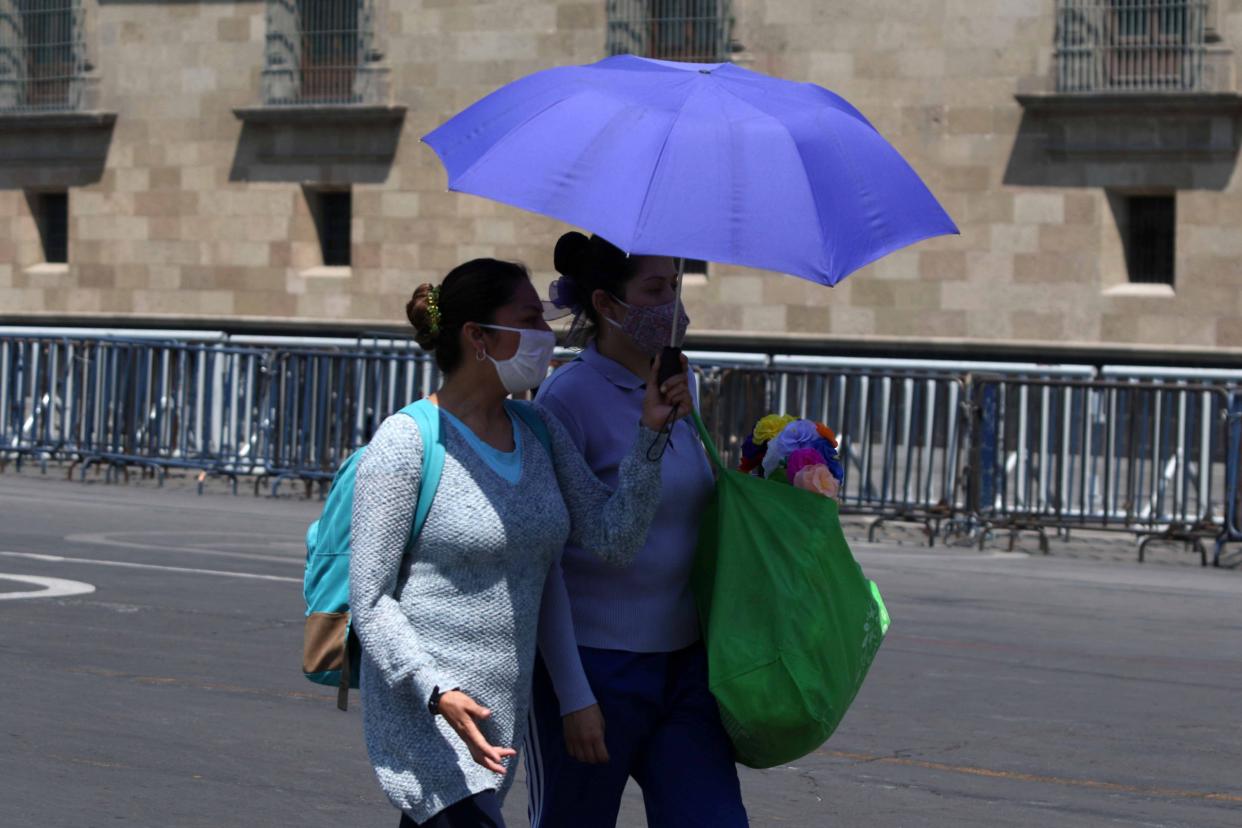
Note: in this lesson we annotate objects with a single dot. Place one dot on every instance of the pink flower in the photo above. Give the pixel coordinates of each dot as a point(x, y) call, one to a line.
point(800, 459)
point(817, 479)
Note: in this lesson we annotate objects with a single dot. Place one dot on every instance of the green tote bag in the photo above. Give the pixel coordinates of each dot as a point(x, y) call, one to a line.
point(790, 622)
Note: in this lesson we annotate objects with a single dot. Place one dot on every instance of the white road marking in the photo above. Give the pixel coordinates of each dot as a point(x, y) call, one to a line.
point(117, 539)
point(49, 587)
point(130, 565)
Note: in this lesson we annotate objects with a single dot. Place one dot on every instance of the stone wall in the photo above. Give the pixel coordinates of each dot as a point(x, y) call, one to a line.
point(185, 212)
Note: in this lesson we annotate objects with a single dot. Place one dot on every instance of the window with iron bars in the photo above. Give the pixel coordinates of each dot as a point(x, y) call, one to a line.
point(1130, 45)
point(687, 30)
point(319, 52)
point(42, 57)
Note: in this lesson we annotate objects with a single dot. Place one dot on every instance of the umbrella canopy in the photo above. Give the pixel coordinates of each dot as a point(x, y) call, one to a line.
point(701, 161)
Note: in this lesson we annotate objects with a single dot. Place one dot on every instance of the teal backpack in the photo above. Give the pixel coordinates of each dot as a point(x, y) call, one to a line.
point(330, 650)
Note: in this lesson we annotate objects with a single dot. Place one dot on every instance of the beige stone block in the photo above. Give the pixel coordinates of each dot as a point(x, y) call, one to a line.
point(397, 205)
point(828, 69)
point(1050, 268)
point(233, 29)
point(241, 253)
point(1069, 238)
point(943, 265)
point(571, 16)
point(802, 319)
point(990, 268)
point(1215, 241)
point(970, 179)
point(970, 120)
point(1036, 325)
point(873, 293)
point(158, 301)
point(264, 303)
point(165, 178)
point(1229, 332)
point(210, 302)
point(990, 207)
point(1015, 238)
point(1082, 208)
point(1039, 208)
point(199, 178)
point(900, 266)
point(740, 290)
point(133, 180)
point(764, 319)
point(877, 64)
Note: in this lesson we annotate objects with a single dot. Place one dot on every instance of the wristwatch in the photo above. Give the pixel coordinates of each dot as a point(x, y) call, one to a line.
point(433, 703)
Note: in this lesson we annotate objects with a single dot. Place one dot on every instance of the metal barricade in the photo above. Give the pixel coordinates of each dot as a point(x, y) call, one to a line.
point(900, 434)
point(969, 452)
point(1144, 457)
point(325, 404)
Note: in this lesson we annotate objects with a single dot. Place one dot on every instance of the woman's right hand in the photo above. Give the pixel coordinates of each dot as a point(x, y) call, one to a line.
point(461, 712)
point(584, 735)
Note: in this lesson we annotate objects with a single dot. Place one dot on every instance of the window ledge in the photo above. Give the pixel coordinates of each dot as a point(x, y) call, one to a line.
point(326, 272)
point(1141, 290)
point(321, 114)
point(1139, 103)
point(47, 269)
point(56, 120)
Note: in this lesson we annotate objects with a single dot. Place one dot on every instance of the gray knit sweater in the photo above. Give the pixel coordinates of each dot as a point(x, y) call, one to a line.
point(461, 609)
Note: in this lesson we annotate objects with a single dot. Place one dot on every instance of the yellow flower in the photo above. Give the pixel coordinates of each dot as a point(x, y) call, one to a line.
point(770, 426)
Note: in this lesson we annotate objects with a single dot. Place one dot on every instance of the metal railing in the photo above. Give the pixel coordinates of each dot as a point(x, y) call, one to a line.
point(320, 52)
point(42, 55)
point(1130, 45)
point(969, 453)
point(697, 31)
point(1142, 457)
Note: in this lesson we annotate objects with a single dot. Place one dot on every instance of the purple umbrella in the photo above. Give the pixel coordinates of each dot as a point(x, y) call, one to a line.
point(693, 160)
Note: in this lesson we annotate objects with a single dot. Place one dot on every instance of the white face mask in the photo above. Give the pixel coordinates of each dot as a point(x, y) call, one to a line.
point(529, 366)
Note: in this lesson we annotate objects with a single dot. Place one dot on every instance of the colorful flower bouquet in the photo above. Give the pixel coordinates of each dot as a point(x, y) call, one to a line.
point(801, 453)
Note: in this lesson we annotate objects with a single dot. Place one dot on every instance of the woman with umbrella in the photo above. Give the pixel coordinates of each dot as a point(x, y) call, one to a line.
point(621, 690)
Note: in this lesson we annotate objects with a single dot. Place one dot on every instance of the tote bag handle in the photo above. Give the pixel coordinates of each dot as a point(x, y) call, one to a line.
point(708, 442)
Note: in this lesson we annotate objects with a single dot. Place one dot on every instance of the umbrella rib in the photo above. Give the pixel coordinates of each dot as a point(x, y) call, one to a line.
point(642, 210)
point(499, 141)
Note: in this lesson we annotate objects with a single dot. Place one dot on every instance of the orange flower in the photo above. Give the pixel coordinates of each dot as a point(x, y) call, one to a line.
point(827, 433)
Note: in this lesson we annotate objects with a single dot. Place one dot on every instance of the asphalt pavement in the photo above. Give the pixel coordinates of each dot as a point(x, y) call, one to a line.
point(152, 639)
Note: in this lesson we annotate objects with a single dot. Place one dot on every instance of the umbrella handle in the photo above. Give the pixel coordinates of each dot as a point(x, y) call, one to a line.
point(670, 364)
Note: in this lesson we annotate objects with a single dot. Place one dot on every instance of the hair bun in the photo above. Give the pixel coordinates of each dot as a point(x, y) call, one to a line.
point(419, 311)
point(572, 256)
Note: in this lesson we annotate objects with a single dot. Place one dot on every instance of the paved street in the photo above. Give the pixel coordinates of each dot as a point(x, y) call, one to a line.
point(1012, 691)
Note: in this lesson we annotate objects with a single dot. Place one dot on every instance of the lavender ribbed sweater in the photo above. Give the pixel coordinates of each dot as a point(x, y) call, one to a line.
point(646, 607)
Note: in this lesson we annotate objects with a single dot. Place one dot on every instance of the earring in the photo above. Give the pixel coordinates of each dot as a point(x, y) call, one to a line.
point(479, 356)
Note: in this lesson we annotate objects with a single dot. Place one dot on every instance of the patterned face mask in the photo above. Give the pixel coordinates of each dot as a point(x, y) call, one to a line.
point(650, 326)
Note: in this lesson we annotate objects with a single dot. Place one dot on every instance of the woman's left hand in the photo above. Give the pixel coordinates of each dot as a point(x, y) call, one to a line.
point(671, 399)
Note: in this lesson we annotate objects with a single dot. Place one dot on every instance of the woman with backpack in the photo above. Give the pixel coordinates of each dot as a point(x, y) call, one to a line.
point(447, 620)
point(621, 685)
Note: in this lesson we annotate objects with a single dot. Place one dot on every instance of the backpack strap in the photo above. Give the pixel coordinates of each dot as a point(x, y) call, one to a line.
point(427, 416)
point(526, 412)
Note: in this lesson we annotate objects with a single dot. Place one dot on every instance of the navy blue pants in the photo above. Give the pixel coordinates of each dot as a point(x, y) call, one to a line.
point(478, 811)
point(661, 726)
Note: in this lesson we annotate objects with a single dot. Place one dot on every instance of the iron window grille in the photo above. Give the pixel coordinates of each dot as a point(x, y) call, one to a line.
point(1130, 45)
point(42, 55)
point(1150, 239)
point(320, 52)
point(697, 31)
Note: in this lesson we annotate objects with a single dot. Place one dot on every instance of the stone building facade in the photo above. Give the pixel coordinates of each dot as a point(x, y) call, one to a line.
point(200, 153)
